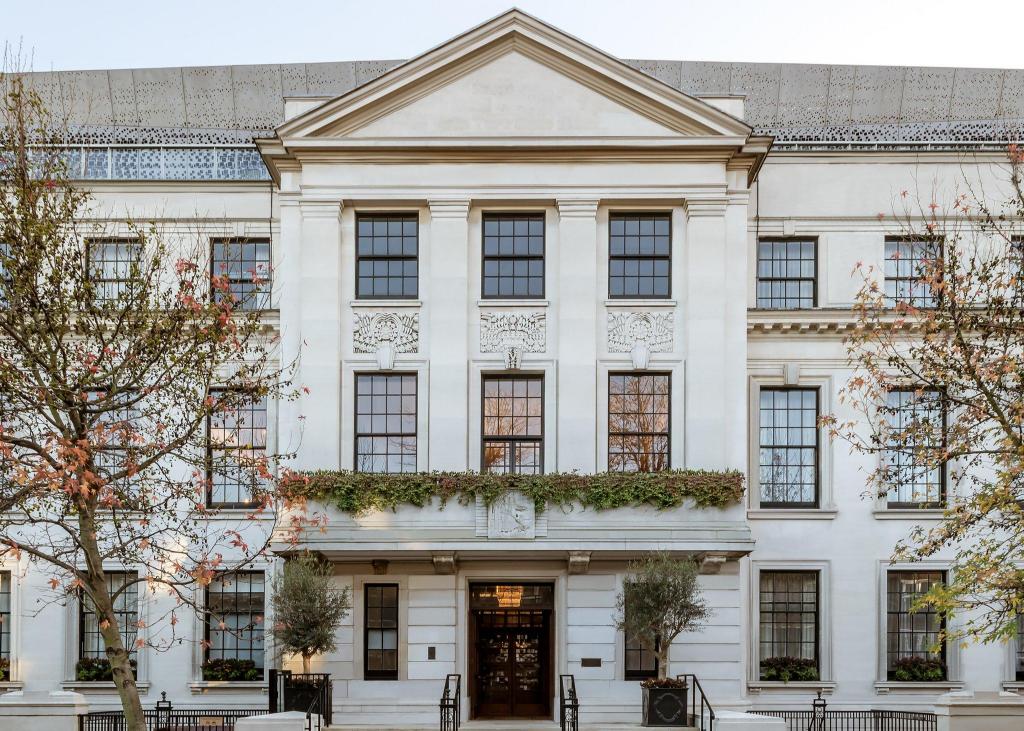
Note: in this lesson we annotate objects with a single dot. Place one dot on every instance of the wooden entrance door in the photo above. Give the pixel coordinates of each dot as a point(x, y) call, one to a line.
point(511, 662)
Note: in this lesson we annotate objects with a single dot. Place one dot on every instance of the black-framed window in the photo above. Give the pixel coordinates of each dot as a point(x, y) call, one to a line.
point(387, 255)
point(5, 616)
point(122, 422)
point(789, 611)
point(111, 265)
point(513, 255)
point(640, 255)
point(513, 424)
point(234, 612)
point(788, 447)
point(1019, 652)
point(920, 416)
point(385, 422)
point(126, 609)
point(910, 632)
point(909, 263)
point(786, 274)
point(246, 264)
point(639, 422)
point(641, 658)
point(380, 632)
point(236, 441)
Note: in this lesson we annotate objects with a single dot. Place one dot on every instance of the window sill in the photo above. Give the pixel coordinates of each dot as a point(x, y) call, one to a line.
point(792, 514)
point(202, 687)
point(6, 685)
point(386, 303)
point(827, 687)
point(638, 302)
point(1014, 686)
point(908, 513)
point(98, 686)
point(939, 686)
point(525, 302)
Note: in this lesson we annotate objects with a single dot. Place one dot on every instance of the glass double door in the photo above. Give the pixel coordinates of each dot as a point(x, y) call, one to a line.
point(513, 652)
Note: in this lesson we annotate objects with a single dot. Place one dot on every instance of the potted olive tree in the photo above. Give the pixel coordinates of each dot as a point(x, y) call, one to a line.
point(308, 608)
point(660, 600)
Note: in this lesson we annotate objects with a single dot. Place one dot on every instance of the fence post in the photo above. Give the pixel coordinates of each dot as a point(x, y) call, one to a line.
point(272, 702)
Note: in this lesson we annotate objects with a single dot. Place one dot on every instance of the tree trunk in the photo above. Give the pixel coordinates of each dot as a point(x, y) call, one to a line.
point(662, 660)
point(305, 663)
point(117, 654)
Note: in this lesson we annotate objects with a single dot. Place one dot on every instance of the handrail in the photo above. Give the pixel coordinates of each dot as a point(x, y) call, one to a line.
point(706, 711)
point(281, 682)
point(451, 702)
point(569, 704)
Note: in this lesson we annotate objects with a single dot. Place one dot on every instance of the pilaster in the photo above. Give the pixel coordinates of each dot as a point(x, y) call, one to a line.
point(578, 306)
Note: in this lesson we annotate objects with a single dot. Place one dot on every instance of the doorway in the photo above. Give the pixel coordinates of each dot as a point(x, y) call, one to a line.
point(510, 650)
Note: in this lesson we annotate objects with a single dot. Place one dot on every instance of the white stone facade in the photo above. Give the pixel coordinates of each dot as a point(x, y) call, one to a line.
point(516, 117)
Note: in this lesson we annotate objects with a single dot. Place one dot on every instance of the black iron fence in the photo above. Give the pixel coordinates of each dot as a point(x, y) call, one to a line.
point(165, 717)
point(701, 714)
point(568, 704)
point(873, 720)
point(309, 693)
point(451, 702)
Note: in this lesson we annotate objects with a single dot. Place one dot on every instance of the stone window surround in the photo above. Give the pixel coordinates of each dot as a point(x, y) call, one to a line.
point(71, 625)
point(882, 684)
point(825, 670)
point(798, 377)
point(347, 221)
point(14, 573)
point(789, 228)
point(1010, 681)
point(495, 365)
point(273, 411)
point(366, 363)
point(475, 253)
point(678, 224)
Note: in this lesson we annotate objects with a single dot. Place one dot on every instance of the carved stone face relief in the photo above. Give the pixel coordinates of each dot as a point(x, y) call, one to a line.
point(385, 334)
point(640, 334)
point(513, 515)
point(512, 334)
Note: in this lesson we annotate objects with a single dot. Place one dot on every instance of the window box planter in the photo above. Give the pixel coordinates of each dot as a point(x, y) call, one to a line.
point(231, 669)
point(92, 669)
point(664, 703)
point(786, 669)
point(5, 670)
point(918, 670)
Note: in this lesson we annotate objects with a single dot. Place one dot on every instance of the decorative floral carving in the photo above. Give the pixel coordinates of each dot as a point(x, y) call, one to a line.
point(385, 334)
point(513, 333)
point(640, 334)
point(513, 515)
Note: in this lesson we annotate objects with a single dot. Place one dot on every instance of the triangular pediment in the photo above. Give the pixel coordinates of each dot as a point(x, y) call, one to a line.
point(512, 80)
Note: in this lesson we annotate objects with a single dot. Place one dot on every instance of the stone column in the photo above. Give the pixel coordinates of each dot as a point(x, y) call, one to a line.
point(448, 333)
point(709, 394)
point(321, 286)
point(980, 711)
point(42, 710)
point(579, 303)
point(286, 277)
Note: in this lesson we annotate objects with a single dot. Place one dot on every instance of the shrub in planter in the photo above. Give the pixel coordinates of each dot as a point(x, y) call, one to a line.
point(789, 669)
point(97, 669)
point(230, 668)
point(5, 669)
point(918, 670)
point(664, 702)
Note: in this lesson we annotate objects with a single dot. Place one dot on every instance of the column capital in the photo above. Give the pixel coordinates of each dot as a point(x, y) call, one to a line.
point(577, 207)
point(321, 208)
point(449, 208)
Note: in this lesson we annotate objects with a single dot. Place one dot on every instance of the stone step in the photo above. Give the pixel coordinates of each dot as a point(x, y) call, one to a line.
point(503, 725)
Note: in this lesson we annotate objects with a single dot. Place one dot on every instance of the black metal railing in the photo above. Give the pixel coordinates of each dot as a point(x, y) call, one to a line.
point(702, 715)
point(165, 717)
point(451, 702)
point(309, 693)
point(568, 704)
point(870, 720)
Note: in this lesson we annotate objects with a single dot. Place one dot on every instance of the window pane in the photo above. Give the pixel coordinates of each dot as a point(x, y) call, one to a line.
point(638, 422)
point(788, 615)
point(381, 631)
point(513, 425)
point(111, 263)
point(245, 265)
point(234, 619)
point(126, 608)
point(513, 263)
point(639, 250)
point(385, 422)
point(917, 425)
point(387, 246)
point(785, 274)
point(910, 632)
point(237, 441)
point(909, 264)
point(788, 447)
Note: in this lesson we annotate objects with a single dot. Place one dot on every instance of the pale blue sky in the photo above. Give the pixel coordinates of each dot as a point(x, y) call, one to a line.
point(83, 34)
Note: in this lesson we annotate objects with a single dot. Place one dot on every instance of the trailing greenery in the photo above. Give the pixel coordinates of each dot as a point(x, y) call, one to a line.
point(96, 668)
point(919, 670)
point(361, 492)
point(673, 683)
point(231, 668)
point(789, 669)
point(5, 669)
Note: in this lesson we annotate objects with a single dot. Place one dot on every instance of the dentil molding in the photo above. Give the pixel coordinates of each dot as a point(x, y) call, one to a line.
point(640, 334)
point(513, 333)
point(386, 334)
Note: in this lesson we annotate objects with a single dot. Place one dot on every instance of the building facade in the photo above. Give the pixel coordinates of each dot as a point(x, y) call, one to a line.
point(515, 253)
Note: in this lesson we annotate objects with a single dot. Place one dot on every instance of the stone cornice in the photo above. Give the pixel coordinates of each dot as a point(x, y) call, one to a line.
point(811, 322)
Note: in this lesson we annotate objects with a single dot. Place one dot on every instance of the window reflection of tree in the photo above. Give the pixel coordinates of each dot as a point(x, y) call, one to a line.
point(513, 429)
point(638, 422)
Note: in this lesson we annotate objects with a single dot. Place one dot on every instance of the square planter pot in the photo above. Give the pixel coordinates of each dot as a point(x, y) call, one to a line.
point(665, 707)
